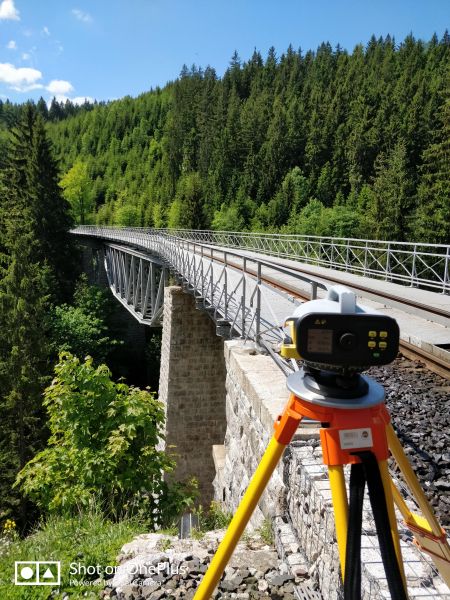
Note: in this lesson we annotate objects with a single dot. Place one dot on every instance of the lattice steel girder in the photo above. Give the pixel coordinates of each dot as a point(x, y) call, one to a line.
point(137, 281)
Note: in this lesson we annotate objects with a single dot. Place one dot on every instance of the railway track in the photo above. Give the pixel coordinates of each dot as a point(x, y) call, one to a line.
point(434, 363)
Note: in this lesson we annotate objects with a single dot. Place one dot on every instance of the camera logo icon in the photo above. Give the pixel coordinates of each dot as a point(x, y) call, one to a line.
point(37, 572)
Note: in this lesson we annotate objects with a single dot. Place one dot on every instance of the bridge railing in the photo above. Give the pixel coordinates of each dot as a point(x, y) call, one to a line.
point(407, 263)
point(242, 293)
point(413, 264)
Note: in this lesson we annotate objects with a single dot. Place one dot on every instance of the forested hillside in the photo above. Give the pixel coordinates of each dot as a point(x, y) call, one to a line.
point(327, 142)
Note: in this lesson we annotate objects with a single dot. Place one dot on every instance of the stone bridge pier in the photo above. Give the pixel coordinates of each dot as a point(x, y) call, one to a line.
point(192, 375)
point(192, 388)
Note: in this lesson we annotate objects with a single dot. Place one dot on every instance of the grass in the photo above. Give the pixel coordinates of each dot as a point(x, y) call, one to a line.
point(88, 539)
point(266, 532)
point(214, 518)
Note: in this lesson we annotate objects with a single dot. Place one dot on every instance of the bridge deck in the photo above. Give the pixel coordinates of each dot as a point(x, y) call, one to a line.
point(423, 316)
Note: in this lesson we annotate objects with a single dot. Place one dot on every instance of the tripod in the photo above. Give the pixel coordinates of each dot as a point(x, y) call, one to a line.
point(355, 430)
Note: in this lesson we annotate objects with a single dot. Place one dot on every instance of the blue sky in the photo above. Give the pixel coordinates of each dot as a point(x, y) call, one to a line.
point(106, 49)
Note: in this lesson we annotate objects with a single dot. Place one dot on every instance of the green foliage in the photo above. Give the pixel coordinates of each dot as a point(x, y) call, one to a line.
point(432, 217)
point(252, 149)
point(87, 538)
point(77, 189)
point(266, 532)
point(214, 518)
point(34, 245)
point(81, 328)
point(175, 216)
point(102, 447)
point(190, 198)
point(128, 216)
point(228, 218)
point(392, 196)
point(165, 544)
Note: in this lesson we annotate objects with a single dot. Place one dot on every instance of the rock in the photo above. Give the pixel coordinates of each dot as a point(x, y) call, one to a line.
point(275, 578)
point(263, 586)
point(176, 573)
point(300, 571)
point(157, 595)
point(149, 582)
point(149, 591)
point(231, 581)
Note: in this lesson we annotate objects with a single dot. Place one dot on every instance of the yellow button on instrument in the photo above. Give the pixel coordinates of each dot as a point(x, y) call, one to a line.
point(371, 344)
point(383, 334)
point(382, 345)
point(372, 334)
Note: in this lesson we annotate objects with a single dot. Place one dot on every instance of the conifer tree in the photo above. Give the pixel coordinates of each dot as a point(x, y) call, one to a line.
point(53, 220)
point(432, 218)
point(390, 212)
point(24, 295)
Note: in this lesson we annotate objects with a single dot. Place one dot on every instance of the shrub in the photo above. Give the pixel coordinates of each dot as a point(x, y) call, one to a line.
point(102, 448)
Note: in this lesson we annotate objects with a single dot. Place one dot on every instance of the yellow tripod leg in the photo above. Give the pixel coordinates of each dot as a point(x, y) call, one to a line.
point(340, 506)
point(411, 480)
point(248, 503)
point(428, 534)
point(387, 485)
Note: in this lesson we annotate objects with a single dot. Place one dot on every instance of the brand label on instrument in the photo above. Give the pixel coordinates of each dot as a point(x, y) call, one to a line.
point(355, 438)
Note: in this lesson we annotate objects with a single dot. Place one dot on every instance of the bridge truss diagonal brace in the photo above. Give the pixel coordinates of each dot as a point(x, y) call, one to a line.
point(137, 281)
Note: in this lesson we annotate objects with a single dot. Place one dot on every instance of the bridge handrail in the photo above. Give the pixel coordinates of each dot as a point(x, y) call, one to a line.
point(103, 231)
point(410, 263)
point(243, 304)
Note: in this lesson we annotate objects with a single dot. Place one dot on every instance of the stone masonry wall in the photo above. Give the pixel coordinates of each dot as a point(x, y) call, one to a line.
point(192, 388)
point(255, 396)
point(298, 496)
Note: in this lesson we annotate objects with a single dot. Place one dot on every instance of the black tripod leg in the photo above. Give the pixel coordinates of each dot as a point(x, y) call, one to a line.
point(352, 575)
point(381, 516)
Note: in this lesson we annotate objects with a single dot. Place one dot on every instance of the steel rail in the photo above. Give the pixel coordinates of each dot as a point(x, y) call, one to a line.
point(426, 308)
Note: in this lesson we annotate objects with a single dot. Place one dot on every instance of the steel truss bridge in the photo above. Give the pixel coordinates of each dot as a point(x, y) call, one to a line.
point(247, 295)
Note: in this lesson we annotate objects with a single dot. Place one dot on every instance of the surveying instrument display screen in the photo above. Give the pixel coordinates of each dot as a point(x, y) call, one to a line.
point(357, 340)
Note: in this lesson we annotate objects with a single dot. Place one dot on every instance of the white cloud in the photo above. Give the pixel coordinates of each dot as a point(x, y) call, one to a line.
point(60, 87)
point(82, 16)
point(46, 31)
point(12, 45)
point(21, 79)
point(26, 56)
point(9, 11)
